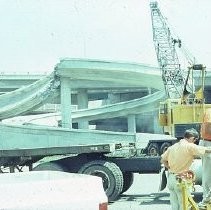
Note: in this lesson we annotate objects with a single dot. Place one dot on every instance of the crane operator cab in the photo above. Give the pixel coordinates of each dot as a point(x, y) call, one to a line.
point(177, 115)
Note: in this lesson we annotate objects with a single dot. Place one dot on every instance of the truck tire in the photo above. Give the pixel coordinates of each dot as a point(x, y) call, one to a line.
point(153, 149)
point(164, 147)
point(128, 178)
point(110, 173)
point(48, 166)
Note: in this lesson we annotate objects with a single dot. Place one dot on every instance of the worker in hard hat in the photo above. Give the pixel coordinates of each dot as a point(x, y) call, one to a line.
point(177, 159)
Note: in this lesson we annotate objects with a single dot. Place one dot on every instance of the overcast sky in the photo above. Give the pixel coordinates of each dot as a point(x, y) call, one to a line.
point(35, 34)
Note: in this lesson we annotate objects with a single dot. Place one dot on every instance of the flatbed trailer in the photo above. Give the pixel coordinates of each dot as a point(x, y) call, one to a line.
point(77, 150)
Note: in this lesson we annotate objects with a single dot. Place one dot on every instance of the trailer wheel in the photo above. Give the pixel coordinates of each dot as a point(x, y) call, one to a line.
point(153, 149)
point(110, 173)
point(48, 166)
point(164, 147)
point(128, 178)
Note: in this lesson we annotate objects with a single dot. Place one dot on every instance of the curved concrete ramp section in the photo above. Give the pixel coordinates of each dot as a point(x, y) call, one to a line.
point(136, 106)
point(28, 98)
point(113, 73)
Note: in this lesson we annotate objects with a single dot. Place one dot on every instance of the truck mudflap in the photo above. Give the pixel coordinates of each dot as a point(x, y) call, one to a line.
point(163, 179)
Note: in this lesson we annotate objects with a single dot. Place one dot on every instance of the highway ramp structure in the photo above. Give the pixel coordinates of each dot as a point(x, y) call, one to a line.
point(86, 74)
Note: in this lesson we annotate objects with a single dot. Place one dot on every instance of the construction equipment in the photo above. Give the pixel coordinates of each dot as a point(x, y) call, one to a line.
point(185, 104)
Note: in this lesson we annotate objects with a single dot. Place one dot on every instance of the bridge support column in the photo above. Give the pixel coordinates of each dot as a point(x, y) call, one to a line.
point(131, 121)
point(82, 98)
point(66, 102)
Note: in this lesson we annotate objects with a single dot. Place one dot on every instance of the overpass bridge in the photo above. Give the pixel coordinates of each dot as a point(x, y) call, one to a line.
point(127, 82)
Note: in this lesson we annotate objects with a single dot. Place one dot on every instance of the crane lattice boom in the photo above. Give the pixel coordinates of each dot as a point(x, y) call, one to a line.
point(173, 76)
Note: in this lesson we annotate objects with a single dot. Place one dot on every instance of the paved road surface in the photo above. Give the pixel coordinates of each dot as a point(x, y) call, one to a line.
point(144, 195)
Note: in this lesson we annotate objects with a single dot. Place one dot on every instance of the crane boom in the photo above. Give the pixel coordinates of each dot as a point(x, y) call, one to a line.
point(173, 76)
